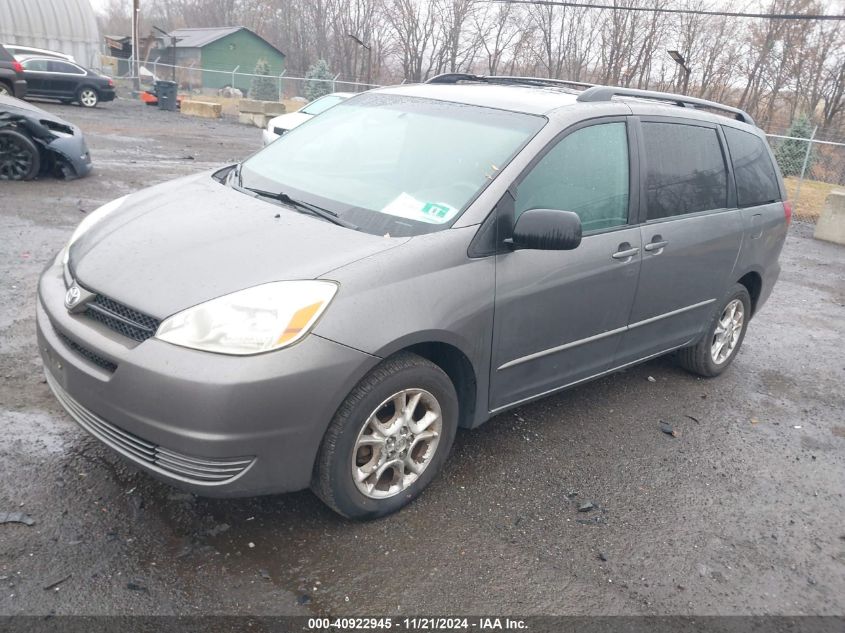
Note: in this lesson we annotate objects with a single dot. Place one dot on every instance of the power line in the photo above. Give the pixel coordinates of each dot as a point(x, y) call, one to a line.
point(730, 14)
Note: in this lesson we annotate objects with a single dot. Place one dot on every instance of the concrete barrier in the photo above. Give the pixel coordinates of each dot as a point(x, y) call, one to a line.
point(831, 224)
point(258, 113)
point(204, 109)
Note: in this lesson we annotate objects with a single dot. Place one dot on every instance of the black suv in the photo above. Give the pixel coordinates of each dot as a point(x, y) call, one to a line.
point(51, 78)
point(12, 82)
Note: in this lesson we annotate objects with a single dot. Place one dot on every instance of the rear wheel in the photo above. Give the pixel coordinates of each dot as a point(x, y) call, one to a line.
point(88, 97)
point(389, 438)
point(19, 158)
point(716, 350)
point(5, 89)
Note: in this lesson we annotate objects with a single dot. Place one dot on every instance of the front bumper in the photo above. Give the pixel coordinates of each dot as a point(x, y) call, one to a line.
point(106, 94)
point(19, 88)
point(211, 424)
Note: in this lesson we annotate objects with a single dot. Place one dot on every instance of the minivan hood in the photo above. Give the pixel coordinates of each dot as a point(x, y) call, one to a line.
point(183, 242)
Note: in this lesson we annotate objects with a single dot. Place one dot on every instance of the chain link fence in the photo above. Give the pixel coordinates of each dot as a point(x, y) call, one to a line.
point(812, 168)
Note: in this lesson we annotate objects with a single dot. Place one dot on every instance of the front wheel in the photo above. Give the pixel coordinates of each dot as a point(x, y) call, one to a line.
point(88, 97)
point(389, 438)
point(716, 350)
point(19, 157)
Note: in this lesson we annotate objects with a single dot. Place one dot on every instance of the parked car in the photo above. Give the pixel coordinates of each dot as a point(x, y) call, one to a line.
point(418, 258)
point(16, 50)
point(12, 80)
point(286, 122)
point(51, 78)
point(34, 142)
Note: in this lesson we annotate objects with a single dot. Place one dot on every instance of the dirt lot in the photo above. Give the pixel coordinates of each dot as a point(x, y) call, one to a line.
point(743, 513)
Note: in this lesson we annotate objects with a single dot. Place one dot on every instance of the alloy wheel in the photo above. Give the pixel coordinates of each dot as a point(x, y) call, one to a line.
point(88, 98)
point(396, 443)
point(15, 158)
point(728, 330)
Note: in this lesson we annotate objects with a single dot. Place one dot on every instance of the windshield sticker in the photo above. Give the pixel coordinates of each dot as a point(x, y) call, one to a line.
point(408, 207)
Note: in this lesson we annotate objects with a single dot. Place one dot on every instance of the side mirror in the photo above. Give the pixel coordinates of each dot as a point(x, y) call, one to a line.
point(547, 230)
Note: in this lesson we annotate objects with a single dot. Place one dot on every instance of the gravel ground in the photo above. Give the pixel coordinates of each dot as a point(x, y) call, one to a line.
point(742, 513)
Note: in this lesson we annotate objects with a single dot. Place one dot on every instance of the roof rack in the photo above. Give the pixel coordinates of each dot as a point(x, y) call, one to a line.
point(606, 93)
point(453, 78)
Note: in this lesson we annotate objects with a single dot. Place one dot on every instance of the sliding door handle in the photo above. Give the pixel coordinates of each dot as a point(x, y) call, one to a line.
point(655, 246)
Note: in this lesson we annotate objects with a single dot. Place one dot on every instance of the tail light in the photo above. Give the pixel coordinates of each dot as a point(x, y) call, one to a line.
point(17, 67)
point(787, 211)
point(111, 83)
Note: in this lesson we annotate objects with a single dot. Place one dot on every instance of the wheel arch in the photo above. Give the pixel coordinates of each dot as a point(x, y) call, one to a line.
point(454, 359)
point(753, 282)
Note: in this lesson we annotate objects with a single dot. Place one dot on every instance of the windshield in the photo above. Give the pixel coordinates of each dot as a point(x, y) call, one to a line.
point(391, 164)
point(322, 104)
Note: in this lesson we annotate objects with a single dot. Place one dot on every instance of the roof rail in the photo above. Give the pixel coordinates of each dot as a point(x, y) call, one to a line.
point(453, 78)
point(606, 93)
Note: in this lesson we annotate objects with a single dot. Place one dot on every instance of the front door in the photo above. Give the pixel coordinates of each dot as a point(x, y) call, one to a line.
point(560, 315)
point(37, 77)
point(691, 235)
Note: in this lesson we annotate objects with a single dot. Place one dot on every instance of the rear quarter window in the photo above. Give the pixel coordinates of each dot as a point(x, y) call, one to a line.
point(756, 180)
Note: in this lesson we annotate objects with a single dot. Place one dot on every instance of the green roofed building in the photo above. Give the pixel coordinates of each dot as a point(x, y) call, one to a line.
point(222, 49)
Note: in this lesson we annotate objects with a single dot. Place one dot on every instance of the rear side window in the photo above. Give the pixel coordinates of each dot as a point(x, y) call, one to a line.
point(586, 172)
point(64, 67)
point(685, 170)
point(756, 181)
point(35, 64)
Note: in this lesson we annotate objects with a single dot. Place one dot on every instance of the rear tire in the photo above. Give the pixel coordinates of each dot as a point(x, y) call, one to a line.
point(19, 157)
point(5, 90)
point(717, 349)
point(388, 439)
point(88, 97)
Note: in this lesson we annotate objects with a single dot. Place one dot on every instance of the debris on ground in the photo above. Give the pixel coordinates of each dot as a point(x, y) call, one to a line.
point(55, 584)
point(16, 517)
point(755, 421)
point(586, 506)
point(693, 418)
point(264, 574)
point(668, 429)
point(218, 529)
point(602, 557)
point(304, 599)
point(134, 586)
point(652, 379)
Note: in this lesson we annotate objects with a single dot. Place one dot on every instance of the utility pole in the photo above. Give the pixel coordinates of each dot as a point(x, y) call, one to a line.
point(136, 53)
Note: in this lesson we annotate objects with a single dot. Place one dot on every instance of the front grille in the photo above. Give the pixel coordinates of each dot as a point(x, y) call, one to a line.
point(87, 353)
point(122, 319)
point(194, 470)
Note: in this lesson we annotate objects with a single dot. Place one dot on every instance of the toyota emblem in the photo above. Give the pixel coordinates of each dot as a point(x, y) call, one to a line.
point(72, 296)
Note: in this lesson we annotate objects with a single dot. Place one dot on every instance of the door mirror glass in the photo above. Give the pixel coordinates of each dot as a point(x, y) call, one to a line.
point(547, 230)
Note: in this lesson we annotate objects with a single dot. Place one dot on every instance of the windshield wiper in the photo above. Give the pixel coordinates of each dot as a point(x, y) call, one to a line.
point(301, 205)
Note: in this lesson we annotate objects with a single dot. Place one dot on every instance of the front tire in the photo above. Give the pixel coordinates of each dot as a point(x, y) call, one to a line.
point(717, 349)
point(88, 97)
point(388, 440)
point(19, 157)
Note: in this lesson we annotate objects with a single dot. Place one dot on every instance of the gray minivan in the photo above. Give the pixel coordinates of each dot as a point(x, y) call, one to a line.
point(328, 312)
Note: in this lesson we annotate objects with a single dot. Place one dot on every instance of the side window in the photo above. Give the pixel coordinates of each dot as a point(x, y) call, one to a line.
point(685, 170)
point(64, 67)
point(39, 65)
point(756, 182)
point(586, 172)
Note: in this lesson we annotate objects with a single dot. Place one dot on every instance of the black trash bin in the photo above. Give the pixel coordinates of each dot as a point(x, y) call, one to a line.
point(166, 94)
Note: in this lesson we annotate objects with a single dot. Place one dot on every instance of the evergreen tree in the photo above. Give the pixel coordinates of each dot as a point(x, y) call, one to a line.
point(322, 84)
point(790, 152)
point(263, 88)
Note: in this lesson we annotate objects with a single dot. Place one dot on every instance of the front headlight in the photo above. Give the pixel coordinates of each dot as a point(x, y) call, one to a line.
point(251, 321)
point(88, 221)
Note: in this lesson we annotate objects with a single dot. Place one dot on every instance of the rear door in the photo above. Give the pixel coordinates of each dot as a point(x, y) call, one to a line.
point(691, 234)
point(66, 79)
point(560, 315)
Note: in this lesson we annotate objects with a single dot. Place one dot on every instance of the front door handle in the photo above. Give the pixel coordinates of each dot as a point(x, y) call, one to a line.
point(626, 253)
